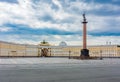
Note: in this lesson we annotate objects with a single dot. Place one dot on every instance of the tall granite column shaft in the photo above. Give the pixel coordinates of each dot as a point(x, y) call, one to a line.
point(84, 35)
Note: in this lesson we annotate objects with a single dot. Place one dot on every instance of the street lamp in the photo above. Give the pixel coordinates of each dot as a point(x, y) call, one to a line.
point(100, 54)
point(69, 53)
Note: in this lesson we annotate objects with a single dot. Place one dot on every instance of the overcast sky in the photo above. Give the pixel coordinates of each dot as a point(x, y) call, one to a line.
point(31, 21)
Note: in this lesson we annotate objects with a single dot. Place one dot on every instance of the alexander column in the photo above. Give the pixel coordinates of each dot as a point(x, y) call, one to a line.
point(84, 51)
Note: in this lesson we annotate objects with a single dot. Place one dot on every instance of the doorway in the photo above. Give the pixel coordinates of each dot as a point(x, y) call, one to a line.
point(44, 52)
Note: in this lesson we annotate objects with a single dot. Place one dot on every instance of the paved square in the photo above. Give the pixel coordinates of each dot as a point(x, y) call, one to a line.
point(59, 70)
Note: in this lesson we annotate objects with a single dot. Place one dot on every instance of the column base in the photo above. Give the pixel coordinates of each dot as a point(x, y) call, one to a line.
point(84, 54)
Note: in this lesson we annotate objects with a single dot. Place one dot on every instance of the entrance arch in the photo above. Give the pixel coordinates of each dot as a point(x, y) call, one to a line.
point(44, 52)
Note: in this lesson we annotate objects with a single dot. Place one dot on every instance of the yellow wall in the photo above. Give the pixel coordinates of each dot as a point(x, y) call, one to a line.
point(11, 49)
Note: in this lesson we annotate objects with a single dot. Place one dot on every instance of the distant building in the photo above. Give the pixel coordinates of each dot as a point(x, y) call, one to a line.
point(45, 49)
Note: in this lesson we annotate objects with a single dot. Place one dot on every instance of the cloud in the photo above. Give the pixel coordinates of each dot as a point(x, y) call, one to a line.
point(5, 29)
point(42, 15)
point(100, 24)
point(58, 19)
point(101, 40)
point(56, 39)
point(9, 1)
point(56, 2)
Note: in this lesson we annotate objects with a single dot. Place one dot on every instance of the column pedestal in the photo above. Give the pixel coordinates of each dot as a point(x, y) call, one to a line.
point(84, 54)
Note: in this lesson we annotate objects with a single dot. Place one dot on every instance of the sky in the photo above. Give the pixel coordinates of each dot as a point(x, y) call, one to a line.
point(32, 21)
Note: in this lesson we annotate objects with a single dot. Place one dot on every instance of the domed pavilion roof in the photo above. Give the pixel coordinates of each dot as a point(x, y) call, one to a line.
point(62, 43)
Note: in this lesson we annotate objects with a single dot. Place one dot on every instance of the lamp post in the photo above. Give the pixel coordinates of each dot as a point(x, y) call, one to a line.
point(100, 54)
point(50, 52)
point(69, 53)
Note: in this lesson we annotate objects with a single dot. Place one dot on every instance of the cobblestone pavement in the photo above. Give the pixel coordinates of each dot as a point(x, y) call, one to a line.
point(57, 61)
point(59, 70)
